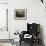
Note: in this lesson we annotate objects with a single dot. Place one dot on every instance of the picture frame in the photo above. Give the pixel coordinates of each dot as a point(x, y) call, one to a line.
point(20, 14)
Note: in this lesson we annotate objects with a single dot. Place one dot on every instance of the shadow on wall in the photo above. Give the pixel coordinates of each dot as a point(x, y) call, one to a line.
point(41, 34)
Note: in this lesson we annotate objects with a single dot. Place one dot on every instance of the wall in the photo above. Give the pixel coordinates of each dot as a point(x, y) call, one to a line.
point(3, 1)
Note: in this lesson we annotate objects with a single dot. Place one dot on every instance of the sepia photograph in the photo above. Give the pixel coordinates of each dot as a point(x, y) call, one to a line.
point(22, 22)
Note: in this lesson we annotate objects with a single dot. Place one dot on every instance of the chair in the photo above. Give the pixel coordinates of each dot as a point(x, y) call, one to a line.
point(33, 30)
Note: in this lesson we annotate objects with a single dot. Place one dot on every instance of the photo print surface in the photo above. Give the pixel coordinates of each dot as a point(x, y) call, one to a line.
point(20, 14)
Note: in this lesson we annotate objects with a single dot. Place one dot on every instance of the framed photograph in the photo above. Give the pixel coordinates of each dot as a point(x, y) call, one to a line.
point(20, 14)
